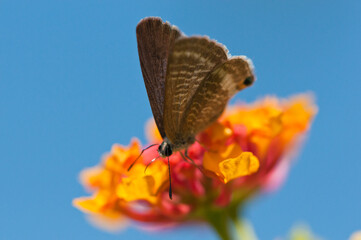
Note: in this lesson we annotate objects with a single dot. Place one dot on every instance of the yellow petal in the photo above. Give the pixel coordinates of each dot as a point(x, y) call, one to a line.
point(101, 204)
point(159, 172)
point(86, 204)
point(92, 204)
point(243, 165)
point(137, 189)
point(212, 159)
point(143, 186)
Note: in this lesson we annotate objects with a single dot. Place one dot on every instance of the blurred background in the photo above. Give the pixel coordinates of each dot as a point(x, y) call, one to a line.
point(71, 86)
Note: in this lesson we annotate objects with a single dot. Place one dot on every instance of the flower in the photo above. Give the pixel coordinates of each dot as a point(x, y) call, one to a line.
point(301, 232)
point(356, 235)
point(248, 150)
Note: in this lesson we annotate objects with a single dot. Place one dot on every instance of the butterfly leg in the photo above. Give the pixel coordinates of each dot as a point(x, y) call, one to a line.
point(170, 181)
point(130, 167)
point(186, 158)
point(186, 155)
point(150, 163)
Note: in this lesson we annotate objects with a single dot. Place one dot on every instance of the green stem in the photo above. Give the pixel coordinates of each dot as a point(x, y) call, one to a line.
point(220, 222)
point(228, 225)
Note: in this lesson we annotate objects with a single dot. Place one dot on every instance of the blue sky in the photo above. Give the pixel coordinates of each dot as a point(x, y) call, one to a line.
point(71, 86)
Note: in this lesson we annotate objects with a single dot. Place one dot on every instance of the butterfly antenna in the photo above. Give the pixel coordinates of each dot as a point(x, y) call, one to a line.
point(150, 163)
point(170, 181)
point(130, 167)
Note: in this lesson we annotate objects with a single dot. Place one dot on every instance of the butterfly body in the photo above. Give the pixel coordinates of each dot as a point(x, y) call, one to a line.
point(166, 148)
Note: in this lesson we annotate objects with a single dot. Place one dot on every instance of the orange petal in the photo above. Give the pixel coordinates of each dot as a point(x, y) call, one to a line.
point(92, 204)
point(299, 113)
point(121, 157)
point(218, 131)
point(95, 177)
point(243, 165)
point(151, 132)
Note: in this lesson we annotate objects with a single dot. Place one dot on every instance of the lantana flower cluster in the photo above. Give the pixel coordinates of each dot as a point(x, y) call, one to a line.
point(246, 151)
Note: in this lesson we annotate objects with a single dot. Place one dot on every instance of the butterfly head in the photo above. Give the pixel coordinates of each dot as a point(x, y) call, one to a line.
point(247, 75)
point(165, 148)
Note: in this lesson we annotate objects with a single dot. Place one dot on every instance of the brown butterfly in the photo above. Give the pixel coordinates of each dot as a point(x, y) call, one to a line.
point(189, 81)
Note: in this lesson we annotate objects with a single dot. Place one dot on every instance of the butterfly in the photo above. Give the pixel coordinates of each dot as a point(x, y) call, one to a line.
point(189, 81)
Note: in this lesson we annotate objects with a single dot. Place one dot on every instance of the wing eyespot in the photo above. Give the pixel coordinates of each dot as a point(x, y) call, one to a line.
point(248, 81)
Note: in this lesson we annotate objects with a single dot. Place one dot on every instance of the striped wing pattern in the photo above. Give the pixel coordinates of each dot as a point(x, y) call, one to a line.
point(190, 61)
point(212, 95)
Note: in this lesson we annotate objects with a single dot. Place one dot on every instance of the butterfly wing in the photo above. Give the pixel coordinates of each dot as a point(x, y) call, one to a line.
point(155, 39)
point(190, 61)
point(212, 95)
